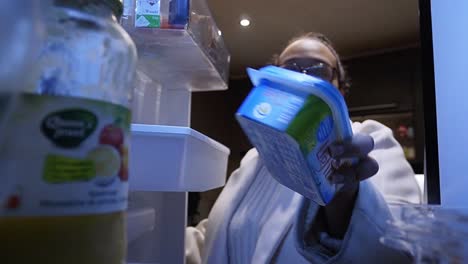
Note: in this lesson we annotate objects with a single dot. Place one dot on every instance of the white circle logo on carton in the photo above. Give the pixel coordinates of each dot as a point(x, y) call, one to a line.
point(262, 110)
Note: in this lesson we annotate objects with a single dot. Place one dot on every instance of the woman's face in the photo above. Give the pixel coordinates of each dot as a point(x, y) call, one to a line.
point(309, 49)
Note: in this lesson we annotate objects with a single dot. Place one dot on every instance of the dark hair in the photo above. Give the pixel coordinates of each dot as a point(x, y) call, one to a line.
point(343, 79)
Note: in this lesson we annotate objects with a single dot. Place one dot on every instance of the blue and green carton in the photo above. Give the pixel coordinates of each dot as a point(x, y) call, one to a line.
point(292, 118)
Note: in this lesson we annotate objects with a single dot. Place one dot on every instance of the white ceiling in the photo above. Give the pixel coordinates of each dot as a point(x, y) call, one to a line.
point(355, 26)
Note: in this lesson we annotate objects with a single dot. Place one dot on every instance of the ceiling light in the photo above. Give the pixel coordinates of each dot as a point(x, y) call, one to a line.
point(220, 33)
point(245, 22)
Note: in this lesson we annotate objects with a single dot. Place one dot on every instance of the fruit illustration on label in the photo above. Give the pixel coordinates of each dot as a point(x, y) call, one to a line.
point(112, 135)
point(13, 201)
point(106, 161)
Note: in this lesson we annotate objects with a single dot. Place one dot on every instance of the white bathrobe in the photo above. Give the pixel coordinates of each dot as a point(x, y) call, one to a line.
point(257, 220)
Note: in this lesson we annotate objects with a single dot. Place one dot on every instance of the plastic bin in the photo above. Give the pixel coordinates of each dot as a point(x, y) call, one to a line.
point(175, 159)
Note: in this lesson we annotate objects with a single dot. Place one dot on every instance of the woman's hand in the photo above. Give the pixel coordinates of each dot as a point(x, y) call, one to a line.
point(351, 161)
point(351, 165)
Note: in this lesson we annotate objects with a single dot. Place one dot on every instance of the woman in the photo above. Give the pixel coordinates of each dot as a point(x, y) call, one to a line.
point(257, 220)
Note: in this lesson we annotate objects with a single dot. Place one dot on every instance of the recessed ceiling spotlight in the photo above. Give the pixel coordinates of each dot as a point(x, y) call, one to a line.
point(245, 22)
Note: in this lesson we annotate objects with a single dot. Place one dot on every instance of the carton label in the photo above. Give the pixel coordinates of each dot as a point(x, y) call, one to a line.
point(292, 134)
point(148, 13)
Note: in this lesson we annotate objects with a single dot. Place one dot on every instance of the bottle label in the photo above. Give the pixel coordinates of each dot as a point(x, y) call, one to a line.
point(63, 156)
